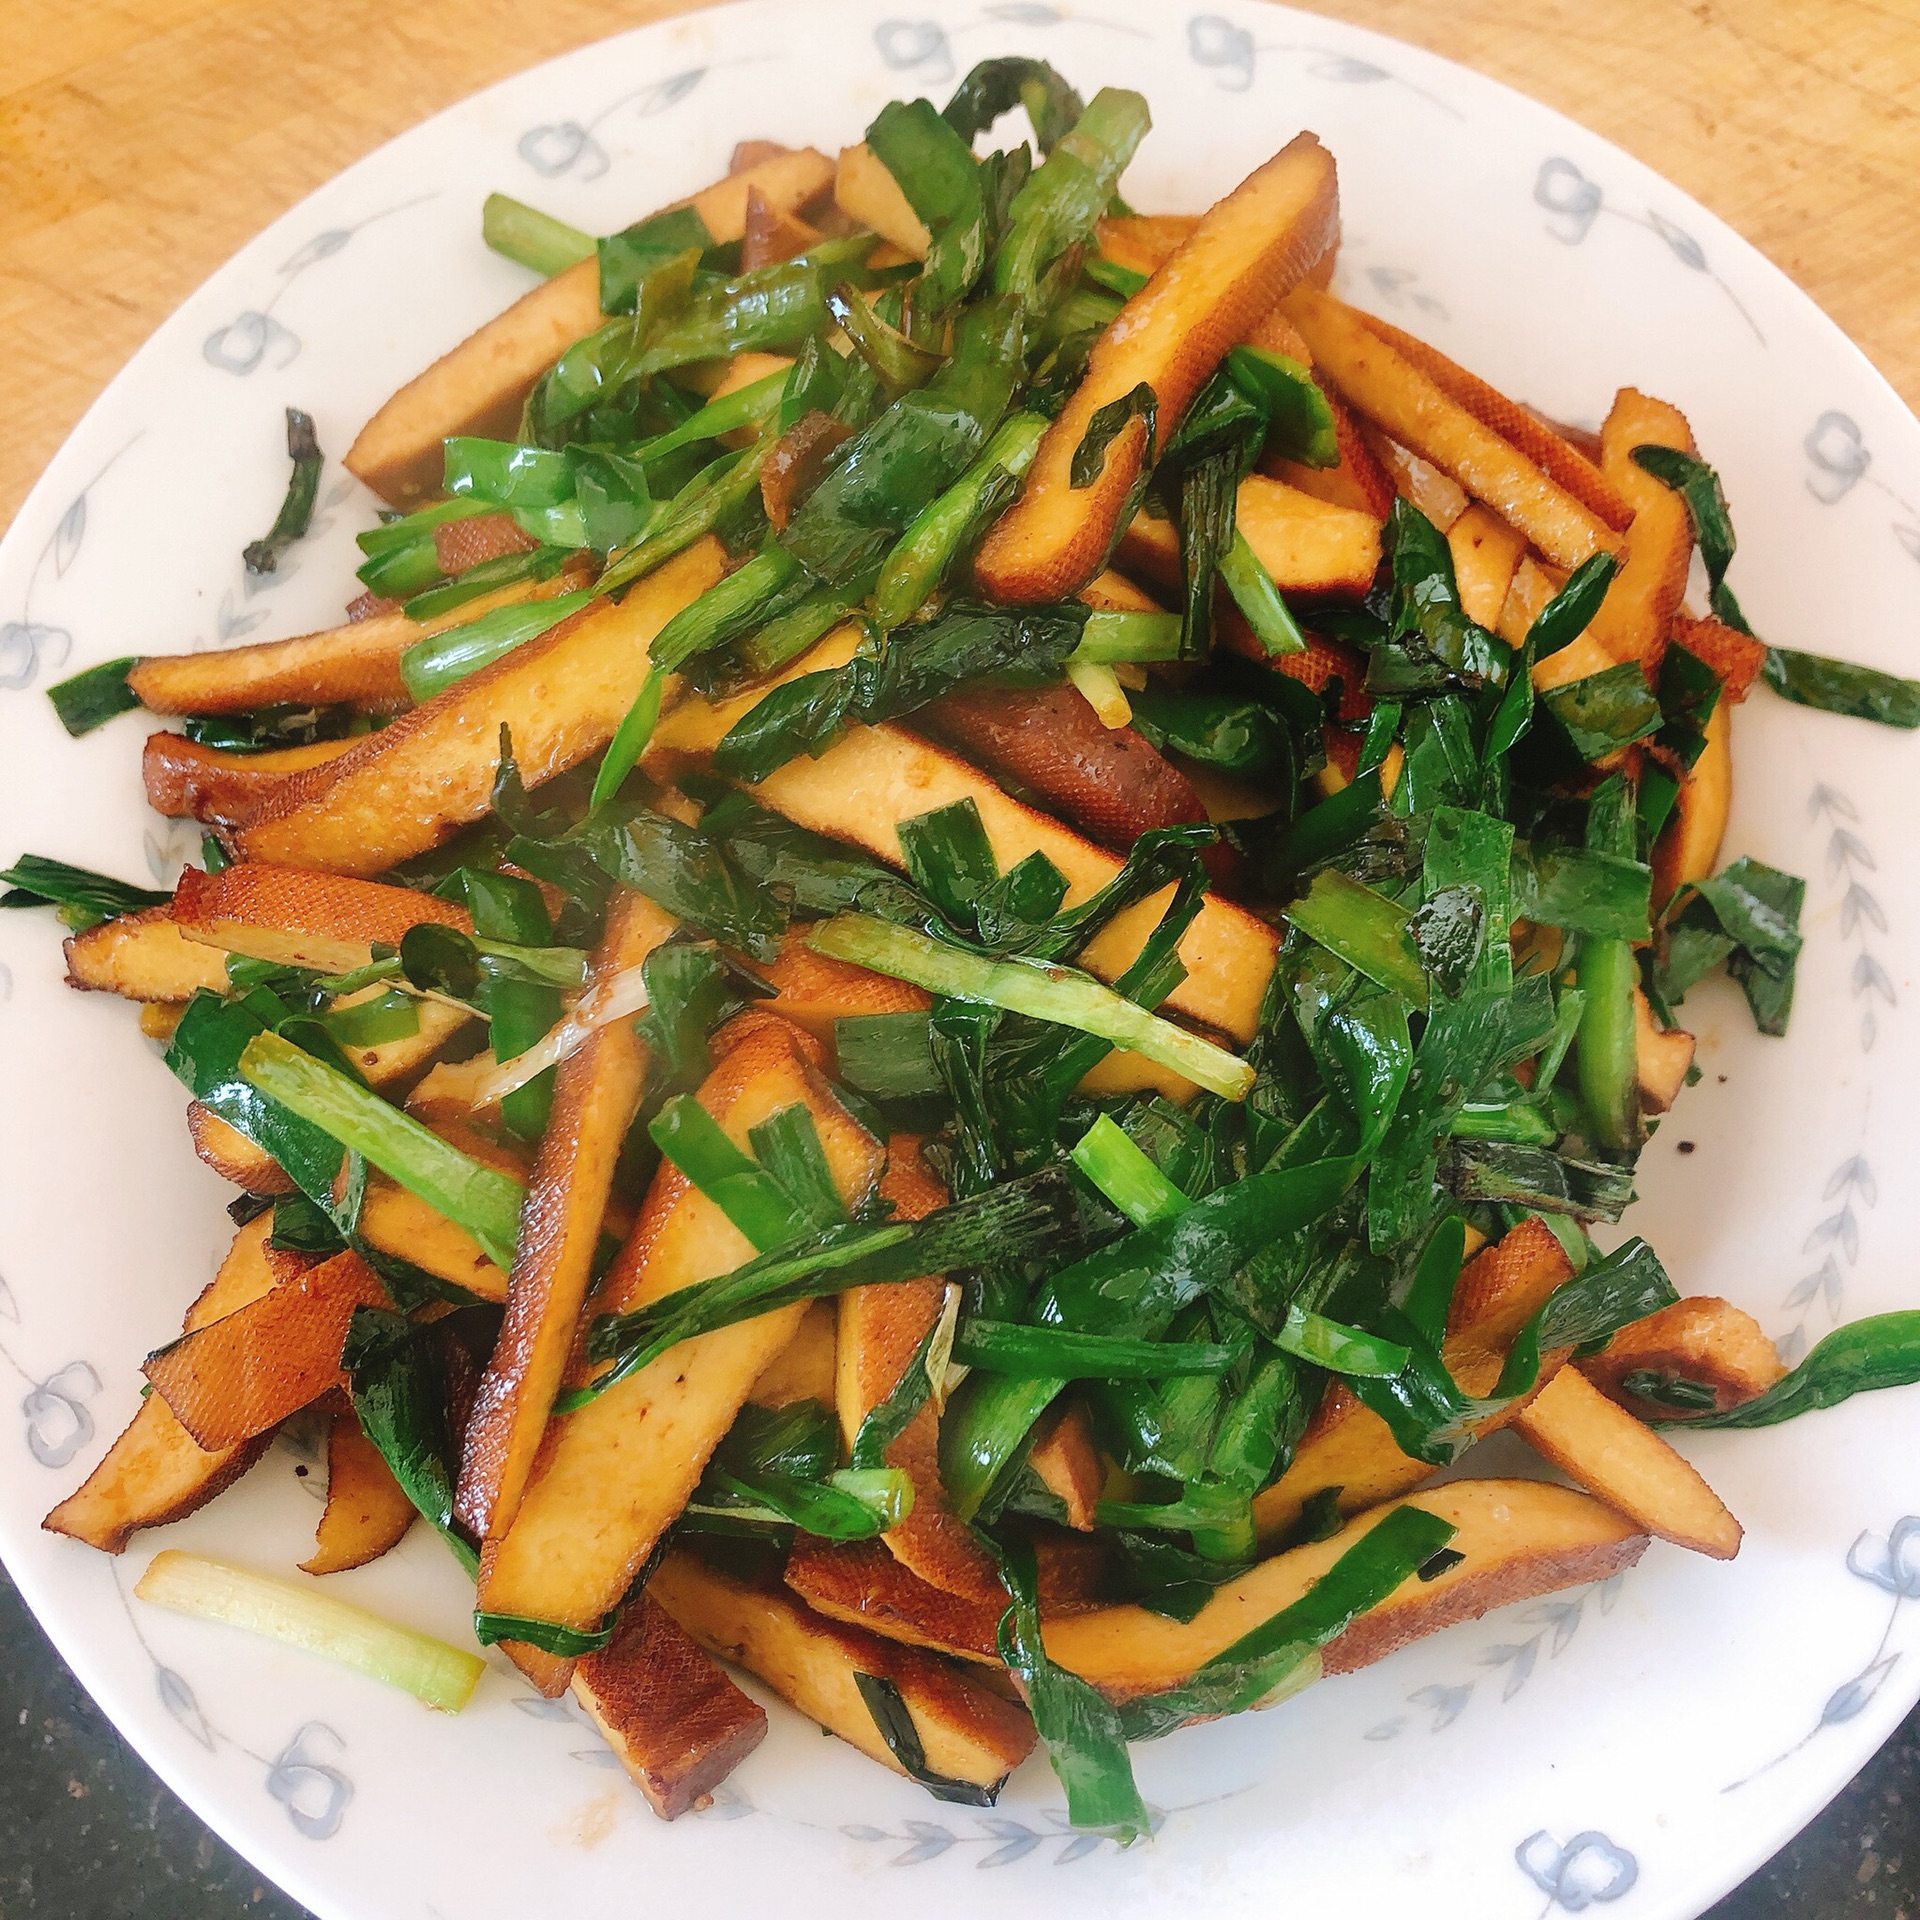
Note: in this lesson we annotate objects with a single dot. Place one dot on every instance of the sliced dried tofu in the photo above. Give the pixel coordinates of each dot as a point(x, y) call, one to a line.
point(967, 1731)
point(596, 1093)
point(156, 1472)
point(405, 789)
point(1405, 403)
point(1516, 1539)
point(675, 1722)
point(1634, 619)
point(612, 1475)
point(1248, 249)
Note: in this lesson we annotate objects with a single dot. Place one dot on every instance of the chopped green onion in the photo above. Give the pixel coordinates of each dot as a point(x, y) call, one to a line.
point(1340, 1349)
point(531, 238)
point(739, 1186)
point(1256, 595)
point(1035, 988)
point(922, 556)
point(630, 739)
point(1044, 1353)
point(1366, 929)
point(296, 510)
point(92, 698)
point(1110, 1159)
point(433, 1672)
point(1110, 637)
point(432, 665)
point(744, 407)
point(726, 610)
point(482, 1199)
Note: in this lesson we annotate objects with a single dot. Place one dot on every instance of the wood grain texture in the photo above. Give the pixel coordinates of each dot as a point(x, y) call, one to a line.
point(142, 142)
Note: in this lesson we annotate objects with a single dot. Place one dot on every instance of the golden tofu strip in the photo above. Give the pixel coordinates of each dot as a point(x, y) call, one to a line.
point(967, 1731)
point(357, 664)
point(477, 388)
point(292, 918)
point(870, 196)
point(186, 781)
point(610, 1477)
point(156, 1471)
point(1704, 1339)
point(368, 1512)
point(1574, 1426)
point(1633, 621)
point(482, 384)
point(880, 1332)
point(1486, 553)
point(394, 1221)
point(596, 1094)
point(1247, 251)
point(1388, 390)
point(1516, 1538)
point(1548, 450)
point(143, 956)
point(405, 789)
point(1308, 545)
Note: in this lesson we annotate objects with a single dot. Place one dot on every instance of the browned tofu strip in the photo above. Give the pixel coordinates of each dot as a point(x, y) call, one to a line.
point(1407, 405)
point(156, 1471)
point(392, 1220)
point(1248, 249)
point(1704, 1339)
point(482, 384)
point(367, 1511)
point(1556, 456)
point(596, 1094)
point(303, 919)
point(143, 956)
point(1633, 621)
point(880, 1330)
point(477, 388)
point(1575, 1427)
point(612, 1475)
point(356, 665)
point(677, 1723)
point(228, 1152)
point(186, 781)
point(241, 1375)
point(1516, 1538)
point(967, 1731)
point(1308, 545)
point(405, 789)
point(863, 1584)
point(862, 787)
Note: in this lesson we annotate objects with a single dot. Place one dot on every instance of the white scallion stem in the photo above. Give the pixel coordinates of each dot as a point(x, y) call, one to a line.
point(620, 997)
point(297, 1616)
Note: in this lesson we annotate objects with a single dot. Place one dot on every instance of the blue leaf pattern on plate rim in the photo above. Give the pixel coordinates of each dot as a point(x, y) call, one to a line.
point(1574, 203)
point(256, 336)
point(1589, 1870)
point(1838, 453)
point(1890, 1562)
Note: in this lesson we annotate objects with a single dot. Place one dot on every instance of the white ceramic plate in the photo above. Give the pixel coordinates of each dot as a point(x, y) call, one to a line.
point(1640, 1745)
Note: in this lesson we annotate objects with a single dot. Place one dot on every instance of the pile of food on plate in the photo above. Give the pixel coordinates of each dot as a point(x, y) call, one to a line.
point(939, 983)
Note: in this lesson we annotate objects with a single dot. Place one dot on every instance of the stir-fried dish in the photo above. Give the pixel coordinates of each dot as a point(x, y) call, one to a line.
point(939, 984)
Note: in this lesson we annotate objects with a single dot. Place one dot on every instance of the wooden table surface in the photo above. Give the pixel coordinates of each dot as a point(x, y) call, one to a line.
point(142, 141)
